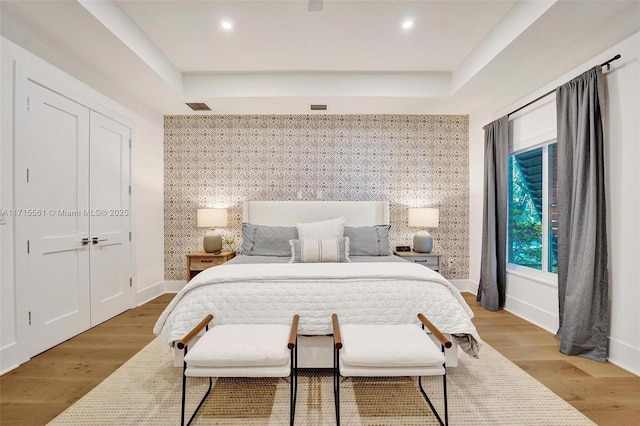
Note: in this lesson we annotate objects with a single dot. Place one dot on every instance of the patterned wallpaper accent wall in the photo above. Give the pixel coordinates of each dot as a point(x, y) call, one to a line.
point(409, 160)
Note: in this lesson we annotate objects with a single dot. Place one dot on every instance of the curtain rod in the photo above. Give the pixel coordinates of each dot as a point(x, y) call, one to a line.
point(607, 64)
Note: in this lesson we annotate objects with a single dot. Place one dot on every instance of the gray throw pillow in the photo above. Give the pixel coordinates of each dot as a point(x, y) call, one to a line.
point(368, 240)
point(258, 240)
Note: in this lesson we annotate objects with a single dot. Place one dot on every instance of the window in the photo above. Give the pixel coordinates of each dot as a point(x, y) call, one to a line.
point(552, 203)
point(533, 229)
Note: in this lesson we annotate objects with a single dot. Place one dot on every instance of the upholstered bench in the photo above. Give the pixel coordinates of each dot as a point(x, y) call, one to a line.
point(241, 350)
point(389, 350)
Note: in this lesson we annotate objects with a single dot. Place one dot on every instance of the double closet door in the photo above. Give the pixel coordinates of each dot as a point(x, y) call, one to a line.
point(77, 217)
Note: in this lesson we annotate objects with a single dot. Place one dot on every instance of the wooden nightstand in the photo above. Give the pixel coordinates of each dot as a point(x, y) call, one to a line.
point(430, 260)
point(199, 261)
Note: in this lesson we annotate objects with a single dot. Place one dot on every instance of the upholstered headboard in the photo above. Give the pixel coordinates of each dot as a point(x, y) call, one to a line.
point(287, 213)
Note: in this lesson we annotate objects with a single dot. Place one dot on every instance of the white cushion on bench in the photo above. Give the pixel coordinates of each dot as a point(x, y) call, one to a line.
point(240, 345)
point(271, 371)
point(388, 346)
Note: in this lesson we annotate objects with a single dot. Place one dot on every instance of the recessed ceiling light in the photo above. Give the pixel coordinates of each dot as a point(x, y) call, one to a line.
point(407, 24)
point(226, 25)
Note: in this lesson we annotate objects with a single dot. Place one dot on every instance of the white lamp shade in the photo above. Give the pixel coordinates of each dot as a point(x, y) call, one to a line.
point(211, 218)
point(424, 217)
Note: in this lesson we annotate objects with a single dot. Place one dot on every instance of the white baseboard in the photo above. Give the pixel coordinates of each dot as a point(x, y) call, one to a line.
point(624, 356)
point(158, 289)
point(149, 293)
point(174, 286)
point(533, 314)
point(468, 286)
point(9, 368)
point(12, 356)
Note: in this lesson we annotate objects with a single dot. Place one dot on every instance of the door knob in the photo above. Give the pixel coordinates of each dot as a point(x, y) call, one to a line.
point(85, 241)
point(96, 240)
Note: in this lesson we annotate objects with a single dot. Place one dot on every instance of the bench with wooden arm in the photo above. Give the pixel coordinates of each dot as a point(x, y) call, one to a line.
point(193, 333)
point(217, 349)
point(390, 350)
point(434, 330)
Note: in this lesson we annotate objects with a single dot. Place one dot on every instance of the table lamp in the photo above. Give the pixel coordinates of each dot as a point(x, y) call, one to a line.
point(423, 218)
point(211, 218)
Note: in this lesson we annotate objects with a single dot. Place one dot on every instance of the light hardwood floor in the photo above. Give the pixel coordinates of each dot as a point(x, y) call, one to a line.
point(42, 388)
point(606, 394)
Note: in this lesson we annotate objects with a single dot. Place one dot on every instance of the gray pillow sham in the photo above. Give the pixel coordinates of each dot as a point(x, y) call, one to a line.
point(258, 240)
point(368, 240)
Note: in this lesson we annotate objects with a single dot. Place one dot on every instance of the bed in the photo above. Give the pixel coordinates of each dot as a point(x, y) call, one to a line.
point(373, 286)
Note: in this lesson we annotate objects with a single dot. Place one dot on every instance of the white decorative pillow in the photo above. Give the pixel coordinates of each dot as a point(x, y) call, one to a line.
point(320, 251)
point(323, 230)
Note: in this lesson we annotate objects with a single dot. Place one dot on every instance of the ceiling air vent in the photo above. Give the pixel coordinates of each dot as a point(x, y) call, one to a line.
point(318, 107)
point(198, 106)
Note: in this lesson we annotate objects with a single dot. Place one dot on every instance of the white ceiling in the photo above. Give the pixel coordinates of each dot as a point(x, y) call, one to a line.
point(344, 36)
point(459, 56)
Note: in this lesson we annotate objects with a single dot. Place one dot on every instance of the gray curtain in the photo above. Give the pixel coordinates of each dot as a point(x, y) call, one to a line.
point(493, 276)
point(583, 288)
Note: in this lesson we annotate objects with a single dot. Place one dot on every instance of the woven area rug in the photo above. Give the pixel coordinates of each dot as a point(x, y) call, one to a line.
point(486, 391)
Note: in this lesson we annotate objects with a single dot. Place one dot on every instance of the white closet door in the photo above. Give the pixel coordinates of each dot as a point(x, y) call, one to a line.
point(58, 192)
point(110, 218)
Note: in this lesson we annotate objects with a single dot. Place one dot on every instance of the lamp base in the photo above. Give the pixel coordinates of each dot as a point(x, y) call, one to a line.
point(212, 242)
point(422, 242)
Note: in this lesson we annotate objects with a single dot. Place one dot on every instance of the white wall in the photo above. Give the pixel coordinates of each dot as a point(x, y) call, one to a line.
point(147, 191)
point(537, 301)
point(10, 327)
point(147, 164)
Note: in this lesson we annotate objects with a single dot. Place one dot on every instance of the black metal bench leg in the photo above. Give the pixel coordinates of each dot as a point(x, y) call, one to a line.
point(184, 395)
point(446, 406)
point(336, 384)
point(294, 384)
point(199, 405)
point(433, 409)
point(184, 392)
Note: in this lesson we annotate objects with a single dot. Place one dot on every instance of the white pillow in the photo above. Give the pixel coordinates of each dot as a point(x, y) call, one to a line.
point(320, 251)
point(323, 230)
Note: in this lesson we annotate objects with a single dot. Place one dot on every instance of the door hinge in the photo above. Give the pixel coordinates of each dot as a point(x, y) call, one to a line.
point(29, 317)
point(129, 189)
point(129, 235)
point(129, 143)
point(130, 282)
point(27, 174)
point(28, 246)
point(28, 103)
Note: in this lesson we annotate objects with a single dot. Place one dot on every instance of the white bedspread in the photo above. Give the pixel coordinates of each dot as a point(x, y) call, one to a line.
point(371, 293)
